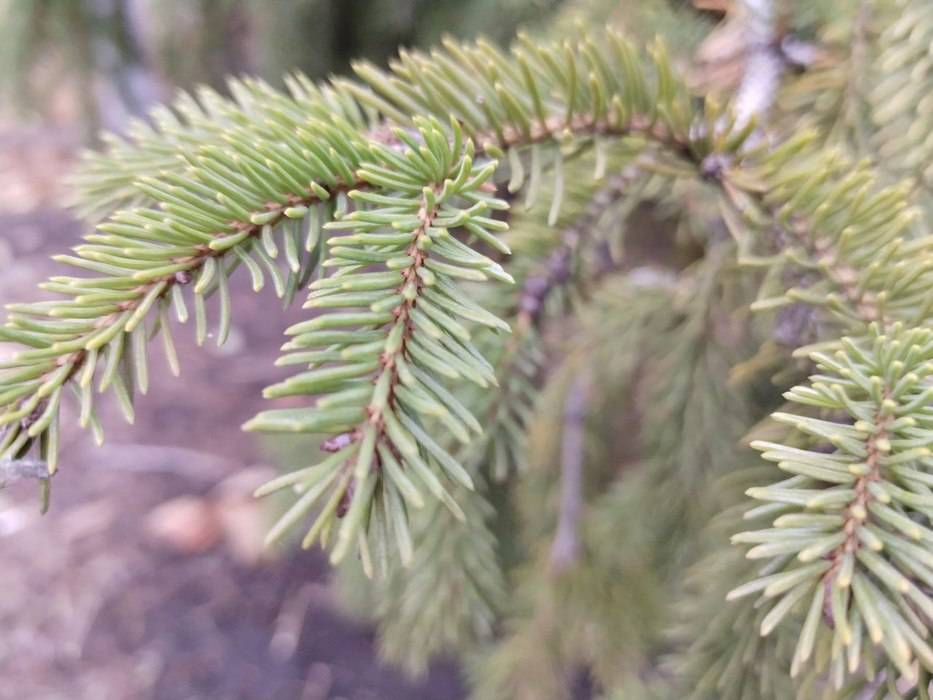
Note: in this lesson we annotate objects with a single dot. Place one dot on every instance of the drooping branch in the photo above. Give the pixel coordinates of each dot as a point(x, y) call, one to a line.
point(258, 174)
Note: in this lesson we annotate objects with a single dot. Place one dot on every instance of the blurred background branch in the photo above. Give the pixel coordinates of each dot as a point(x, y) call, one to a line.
point(96, 62)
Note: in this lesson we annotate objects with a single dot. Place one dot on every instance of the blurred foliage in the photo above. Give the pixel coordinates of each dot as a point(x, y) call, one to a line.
point(117, 57)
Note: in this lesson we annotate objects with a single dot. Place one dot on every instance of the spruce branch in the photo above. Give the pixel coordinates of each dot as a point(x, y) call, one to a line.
point(451, 597)
point(899, 102)
point(828, 218)
point(847, 542)
point(143, 258)
point(519, 366)
point(533, 94)
point(719, 653)
point(464, 574)
point(232, 196)
point(109, 180)
point(391, 218)
point(380, 375)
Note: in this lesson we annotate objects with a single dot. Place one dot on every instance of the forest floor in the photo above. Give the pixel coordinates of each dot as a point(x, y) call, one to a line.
point(147, 579)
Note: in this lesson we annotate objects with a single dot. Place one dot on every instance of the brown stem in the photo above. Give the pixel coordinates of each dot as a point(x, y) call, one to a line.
point(857, 511)
point(557, 271)
point(388, 360)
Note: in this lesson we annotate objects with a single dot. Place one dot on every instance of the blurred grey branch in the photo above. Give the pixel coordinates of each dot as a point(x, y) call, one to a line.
point(15, 469)
point(768, 54)
point(566, 546)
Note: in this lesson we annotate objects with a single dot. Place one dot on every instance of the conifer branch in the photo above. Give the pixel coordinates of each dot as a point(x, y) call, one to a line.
point(387, 373)
point(450, 598)
point(826, 217)
point(899, 101)
point(108, 181)
point(379, 194)
point(848, 542)
point(260, 174)
point(519, 367)
point(465, 578)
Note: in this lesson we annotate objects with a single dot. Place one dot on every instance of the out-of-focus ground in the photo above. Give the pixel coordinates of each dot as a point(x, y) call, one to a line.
point(147, 579)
